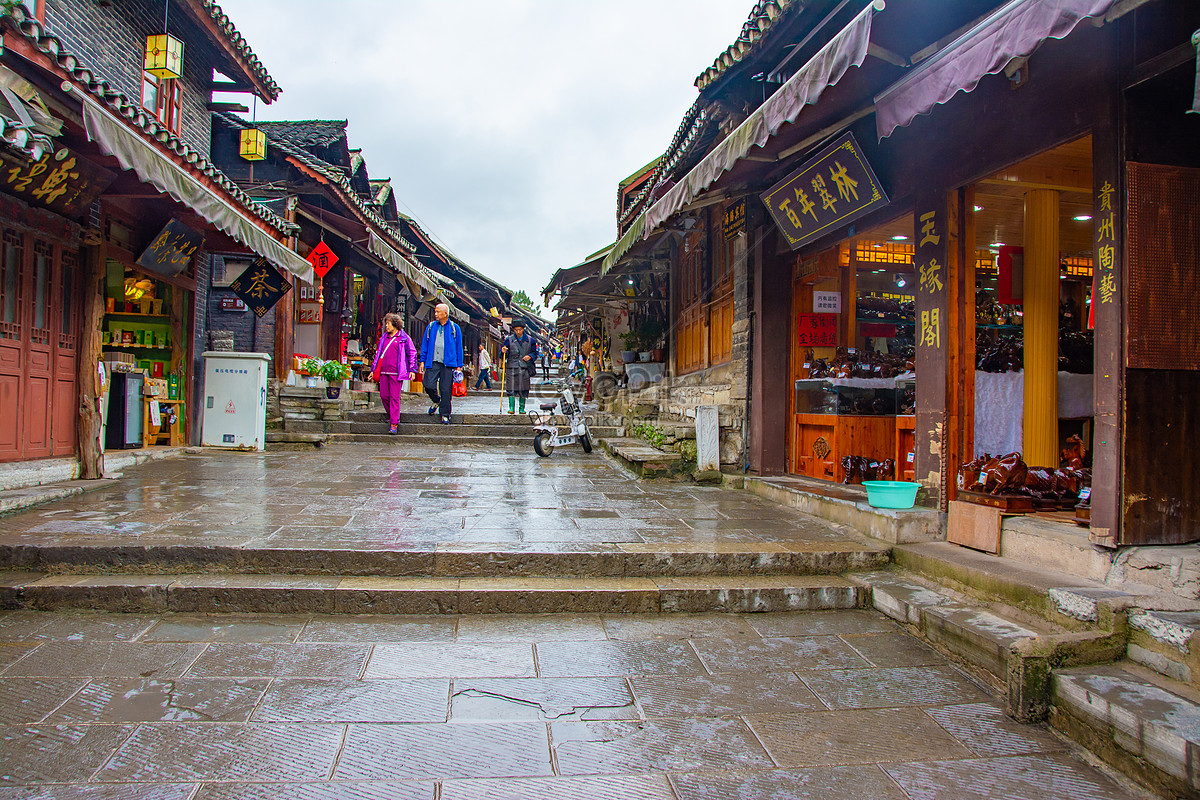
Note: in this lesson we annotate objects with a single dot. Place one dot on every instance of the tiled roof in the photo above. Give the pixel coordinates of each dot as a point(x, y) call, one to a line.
point(24, 21)
point(305, 133)
point(335, 174)
point(762, 17)
point(382, 189)
point(243, 49)
point(686, 137)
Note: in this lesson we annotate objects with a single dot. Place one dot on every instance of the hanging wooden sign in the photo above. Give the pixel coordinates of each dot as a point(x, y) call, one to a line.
point(833, 189)
point(172, 250)
point(261, 286)
point(734, 221)
point(62, 181)
point(322, 259)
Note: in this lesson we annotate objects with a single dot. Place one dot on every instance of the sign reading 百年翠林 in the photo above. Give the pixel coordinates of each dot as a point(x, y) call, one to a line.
point(835, 188)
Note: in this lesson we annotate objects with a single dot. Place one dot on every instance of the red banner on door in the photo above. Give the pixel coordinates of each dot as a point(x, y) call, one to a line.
point(817, 330)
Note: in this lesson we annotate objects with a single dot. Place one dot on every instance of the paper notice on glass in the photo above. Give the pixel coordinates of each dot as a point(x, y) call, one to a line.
point(155, 414)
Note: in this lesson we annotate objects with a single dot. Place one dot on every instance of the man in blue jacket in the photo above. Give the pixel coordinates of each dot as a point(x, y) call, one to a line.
point(441, 353)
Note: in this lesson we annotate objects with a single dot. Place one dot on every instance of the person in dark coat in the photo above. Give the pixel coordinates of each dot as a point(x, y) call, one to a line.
point(520, 353)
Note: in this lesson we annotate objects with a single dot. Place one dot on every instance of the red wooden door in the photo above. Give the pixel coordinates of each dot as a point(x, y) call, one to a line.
point(39, 362)
point(12, 342)
point(64, 431)
point(38, 359)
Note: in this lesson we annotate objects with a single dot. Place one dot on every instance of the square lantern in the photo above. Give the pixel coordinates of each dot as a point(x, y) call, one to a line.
point(164, 56)
point(253, 145)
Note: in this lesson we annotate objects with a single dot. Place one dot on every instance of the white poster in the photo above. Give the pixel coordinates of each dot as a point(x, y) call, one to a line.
point(827, 302)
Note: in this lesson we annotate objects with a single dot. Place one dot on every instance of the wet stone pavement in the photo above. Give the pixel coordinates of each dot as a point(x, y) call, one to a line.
point(836, 704)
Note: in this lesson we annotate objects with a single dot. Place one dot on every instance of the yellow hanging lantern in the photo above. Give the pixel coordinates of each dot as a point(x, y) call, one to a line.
point(164, 56)
point(253, 145)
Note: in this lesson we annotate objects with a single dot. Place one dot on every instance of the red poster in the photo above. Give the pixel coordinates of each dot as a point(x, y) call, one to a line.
point(876, 329)
point(817, 330)
point(322, 259)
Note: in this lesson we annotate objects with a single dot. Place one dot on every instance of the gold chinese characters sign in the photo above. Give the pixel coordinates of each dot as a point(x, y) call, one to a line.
point(171, 251)
point(60, 181)
point(261, 286)
point(833, 189)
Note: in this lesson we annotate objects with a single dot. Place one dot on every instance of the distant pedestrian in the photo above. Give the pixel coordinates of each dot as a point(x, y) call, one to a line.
point(545, 366)
point(520, 352)
point(395, 362)
point(484, 362)
point(441, 353)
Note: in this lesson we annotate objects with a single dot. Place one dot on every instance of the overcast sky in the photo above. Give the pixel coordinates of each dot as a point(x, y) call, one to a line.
point(505, 125)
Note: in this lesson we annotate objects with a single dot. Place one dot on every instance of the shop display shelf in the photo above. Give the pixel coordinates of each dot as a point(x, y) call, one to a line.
point(135, 314)
point(115, 346)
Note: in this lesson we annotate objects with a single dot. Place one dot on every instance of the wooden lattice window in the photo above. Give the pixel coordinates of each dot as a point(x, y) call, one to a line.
point(11, 260)
point(67, 333)
point(43, 270)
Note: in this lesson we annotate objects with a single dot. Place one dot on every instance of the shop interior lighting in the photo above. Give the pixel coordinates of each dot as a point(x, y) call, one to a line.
point(901, 281)
point(1082, 217)
point(979, 208)
point(996, 245)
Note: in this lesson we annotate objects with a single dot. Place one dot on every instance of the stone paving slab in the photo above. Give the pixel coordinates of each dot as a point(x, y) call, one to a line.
point(528, 706)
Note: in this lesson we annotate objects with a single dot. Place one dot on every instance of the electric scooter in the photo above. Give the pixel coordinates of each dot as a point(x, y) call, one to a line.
point(546, 435)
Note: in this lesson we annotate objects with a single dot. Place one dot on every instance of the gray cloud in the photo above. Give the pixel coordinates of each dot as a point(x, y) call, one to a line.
point(504, 126)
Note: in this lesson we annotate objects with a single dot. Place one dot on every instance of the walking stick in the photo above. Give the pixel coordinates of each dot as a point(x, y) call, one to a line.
point(503, 370)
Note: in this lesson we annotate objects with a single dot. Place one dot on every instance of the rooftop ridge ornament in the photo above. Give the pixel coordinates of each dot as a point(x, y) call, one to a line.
point(164, 53)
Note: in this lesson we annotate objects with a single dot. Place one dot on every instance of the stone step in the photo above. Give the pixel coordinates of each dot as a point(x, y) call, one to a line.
point(459, 560)
point(1013, 649)
point(848, 505)
point(1136, 721)
point(415, 595)
point(642, 459)
point(407, 418)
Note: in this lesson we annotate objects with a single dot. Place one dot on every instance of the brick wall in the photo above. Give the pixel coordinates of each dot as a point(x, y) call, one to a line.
point(111, 40)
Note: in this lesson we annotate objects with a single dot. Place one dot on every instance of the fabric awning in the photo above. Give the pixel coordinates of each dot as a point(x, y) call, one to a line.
point(631, 237)
point(845, 50)
point(155, 168)
point(569, 275)
point(1195, 109)
point(1012, 31)
point(413, 276)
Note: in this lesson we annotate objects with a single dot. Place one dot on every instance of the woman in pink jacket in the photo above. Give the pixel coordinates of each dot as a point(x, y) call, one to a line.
point(395, 362)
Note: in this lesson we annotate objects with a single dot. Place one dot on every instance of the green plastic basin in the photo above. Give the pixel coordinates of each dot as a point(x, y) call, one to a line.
point(891, 494)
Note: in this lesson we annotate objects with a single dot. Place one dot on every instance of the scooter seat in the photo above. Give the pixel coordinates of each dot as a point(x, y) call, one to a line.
point(547, 406)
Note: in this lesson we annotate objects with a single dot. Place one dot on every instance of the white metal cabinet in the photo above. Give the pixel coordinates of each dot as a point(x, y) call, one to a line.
point(235, 400)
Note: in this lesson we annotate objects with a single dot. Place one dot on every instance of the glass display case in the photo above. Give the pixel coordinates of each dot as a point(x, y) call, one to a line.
point(817, 396)
point(906, 397)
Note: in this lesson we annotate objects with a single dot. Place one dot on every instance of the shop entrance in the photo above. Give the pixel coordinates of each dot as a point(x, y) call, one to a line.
point(38, 361)
point(1034, 351)
point(854, 389)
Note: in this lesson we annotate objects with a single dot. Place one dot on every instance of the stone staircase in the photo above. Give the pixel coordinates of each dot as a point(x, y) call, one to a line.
point(1092, 661)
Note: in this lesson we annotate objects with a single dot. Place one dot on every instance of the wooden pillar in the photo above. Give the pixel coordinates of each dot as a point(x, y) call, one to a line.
point(1109, 304)
point(931, 233)
point(772, 335)
point(1041, 328)
point(960, 364)
point(91, 459)
point(849, 290)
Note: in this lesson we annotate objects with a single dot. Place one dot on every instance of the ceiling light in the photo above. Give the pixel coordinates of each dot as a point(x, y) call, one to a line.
point(1082, 217)
point(901, 281)
point(979, 208)
point(899, 237)
point(997, 245)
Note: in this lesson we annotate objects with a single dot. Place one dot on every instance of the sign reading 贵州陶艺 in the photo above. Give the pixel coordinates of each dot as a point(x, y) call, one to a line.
point(835, 188)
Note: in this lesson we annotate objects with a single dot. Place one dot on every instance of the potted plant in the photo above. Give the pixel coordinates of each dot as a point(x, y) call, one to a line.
point(334, 372)
point(650, 334)
point(632, 342)
point(311, 368)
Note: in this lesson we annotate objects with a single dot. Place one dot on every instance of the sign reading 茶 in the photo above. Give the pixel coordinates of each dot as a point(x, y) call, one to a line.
point(261, 286)
point(817, 330)
point(835, 188)
point(60, 181)
point(172, 249)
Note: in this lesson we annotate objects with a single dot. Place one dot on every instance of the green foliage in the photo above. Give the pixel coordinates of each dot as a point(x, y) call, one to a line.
point(334, 371)
point(687, 449)
point(524, 300)
point(312, 366)
point(654, 435)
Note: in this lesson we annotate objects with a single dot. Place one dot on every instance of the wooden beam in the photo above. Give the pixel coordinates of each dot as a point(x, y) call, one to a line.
point(91, 459)
point(238, 107)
